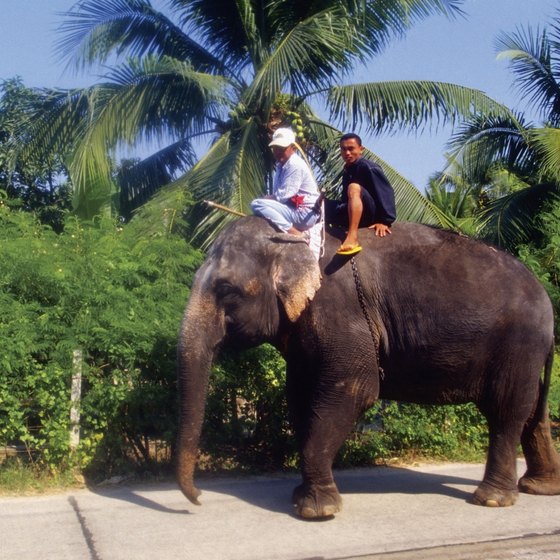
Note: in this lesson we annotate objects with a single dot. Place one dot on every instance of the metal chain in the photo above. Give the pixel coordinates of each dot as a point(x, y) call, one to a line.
point(375, 335)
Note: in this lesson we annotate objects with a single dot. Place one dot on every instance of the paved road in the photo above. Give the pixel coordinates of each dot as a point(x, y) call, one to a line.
point(389, 514)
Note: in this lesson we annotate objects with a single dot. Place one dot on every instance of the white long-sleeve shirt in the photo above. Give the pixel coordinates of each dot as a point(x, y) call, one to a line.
point(294, 177)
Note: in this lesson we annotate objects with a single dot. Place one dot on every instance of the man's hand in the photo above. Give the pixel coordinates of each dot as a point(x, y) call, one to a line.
point(381, 230)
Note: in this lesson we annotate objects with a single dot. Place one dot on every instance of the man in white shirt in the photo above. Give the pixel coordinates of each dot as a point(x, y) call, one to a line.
point(291, 206)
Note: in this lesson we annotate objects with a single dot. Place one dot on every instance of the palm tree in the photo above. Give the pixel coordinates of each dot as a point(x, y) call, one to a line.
point(456, 198)
point(517, 162)
point(229, 72)
point(35, 183)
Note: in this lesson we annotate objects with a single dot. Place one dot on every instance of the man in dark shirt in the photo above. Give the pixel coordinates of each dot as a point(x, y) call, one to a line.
point(368, 200)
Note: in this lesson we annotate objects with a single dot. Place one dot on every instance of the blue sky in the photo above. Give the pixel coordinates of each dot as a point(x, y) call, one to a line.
point(459, 51)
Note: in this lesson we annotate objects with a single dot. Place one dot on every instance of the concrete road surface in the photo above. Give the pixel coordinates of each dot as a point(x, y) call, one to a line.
point(389, 513)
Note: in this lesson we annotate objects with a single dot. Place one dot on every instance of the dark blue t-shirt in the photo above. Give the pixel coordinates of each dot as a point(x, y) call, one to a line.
point(370, 176)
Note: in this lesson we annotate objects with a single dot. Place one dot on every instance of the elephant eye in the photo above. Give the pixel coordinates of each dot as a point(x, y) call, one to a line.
point(224, 289)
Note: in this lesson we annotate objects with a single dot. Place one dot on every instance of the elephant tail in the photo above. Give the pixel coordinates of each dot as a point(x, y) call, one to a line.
point(542, 411)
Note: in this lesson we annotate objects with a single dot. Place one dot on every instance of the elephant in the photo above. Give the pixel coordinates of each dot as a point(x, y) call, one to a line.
point(423, 315)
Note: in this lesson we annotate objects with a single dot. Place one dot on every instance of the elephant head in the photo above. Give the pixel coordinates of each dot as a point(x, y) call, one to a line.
point(253, 284)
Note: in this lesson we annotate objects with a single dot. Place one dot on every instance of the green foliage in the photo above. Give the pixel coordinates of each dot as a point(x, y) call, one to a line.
point(392, 429)
point(119, 300)
point(554, 394)
point(18, 478)
point(37, 180)
point(544, 259)
point(246, 416)
point(512, 162)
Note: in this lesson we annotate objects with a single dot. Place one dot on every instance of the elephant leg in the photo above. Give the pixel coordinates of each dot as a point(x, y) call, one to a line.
point(299, 391)
point(335, 408)
point(499, 485)
point(543, 462)
point(310, 500)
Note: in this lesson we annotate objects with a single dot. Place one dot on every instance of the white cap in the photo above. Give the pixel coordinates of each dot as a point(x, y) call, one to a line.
point(283, 137)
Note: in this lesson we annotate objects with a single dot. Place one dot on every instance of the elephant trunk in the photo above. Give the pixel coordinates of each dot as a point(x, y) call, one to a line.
point(200, 334)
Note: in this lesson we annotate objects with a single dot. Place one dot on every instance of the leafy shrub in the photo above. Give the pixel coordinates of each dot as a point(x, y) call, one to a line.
point(246, 415)
point(95, 288)
point(544, 259)
point(391, 429)
point(554, 394)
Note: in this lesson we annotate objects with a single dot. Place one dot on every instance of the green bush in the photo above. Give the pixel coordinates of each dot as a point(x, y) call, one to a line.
point(554, 394)
point(544, 259)
point(391, 429)
point(246, 415)
point(97, 289)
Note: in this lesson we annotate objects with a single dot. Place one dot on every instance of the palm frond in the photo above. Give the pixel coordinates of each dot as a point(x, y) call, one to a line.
point(153, 100)
point(54, 125)
point(387, 106)
point(529, 53)
point(95, 29)
point(307, 57)
point(483, 143)
point(546, 142)
point(139, 181)
point(412, 205)
point(233, 172)
point(373, 24)
point(227, 29)
point(327, 42)
point(511, 220)
point(160, 96)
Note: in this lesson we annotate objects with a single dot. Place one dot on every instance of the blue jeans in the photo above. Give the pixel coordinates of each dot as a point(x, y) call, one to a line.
point(283, 216)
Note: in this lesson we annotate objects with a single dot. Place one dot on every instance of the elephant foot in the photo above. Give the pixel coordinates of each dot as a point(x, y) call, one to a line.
point(540, 485)
point(490, 496)
point(316, 502)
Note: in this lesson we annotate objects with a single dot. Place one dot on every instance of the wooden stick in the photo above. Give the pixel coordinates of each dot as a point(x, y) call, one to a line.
point(223, 208)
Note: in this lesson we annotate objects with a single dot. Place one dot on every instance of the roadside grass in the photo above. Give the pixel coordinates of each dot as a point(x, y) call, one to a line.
point(20, 479)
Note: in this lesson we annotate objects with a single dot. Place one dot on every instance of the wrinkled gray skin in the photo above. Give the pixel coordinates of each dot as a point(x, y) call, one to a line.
point(457, 321)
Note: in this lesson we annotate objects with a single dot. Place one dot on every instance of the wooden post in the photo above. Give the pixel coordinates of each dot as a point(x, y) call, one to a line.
point(75, 396)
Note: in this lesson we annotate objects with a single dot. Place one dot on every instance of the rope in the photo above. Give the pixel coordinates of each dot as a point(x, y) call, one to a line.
point(323, 231)
point(303, 155)
point(319, 207)
point(375, 335)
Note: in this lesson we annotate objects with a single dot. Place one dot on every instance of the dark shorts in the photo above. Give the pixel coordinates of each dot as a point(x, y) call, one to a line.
point(336, 212)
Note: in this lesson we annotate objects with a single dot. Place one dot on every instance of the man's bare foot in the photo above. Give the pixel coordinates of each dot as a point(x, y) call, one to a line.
point(351, 242)
point(349, 248)
point(294, 231)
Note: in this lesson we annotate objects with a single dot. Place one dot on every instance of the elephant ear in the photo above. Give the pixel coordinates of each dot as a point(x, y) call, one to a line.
point(295, 274)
